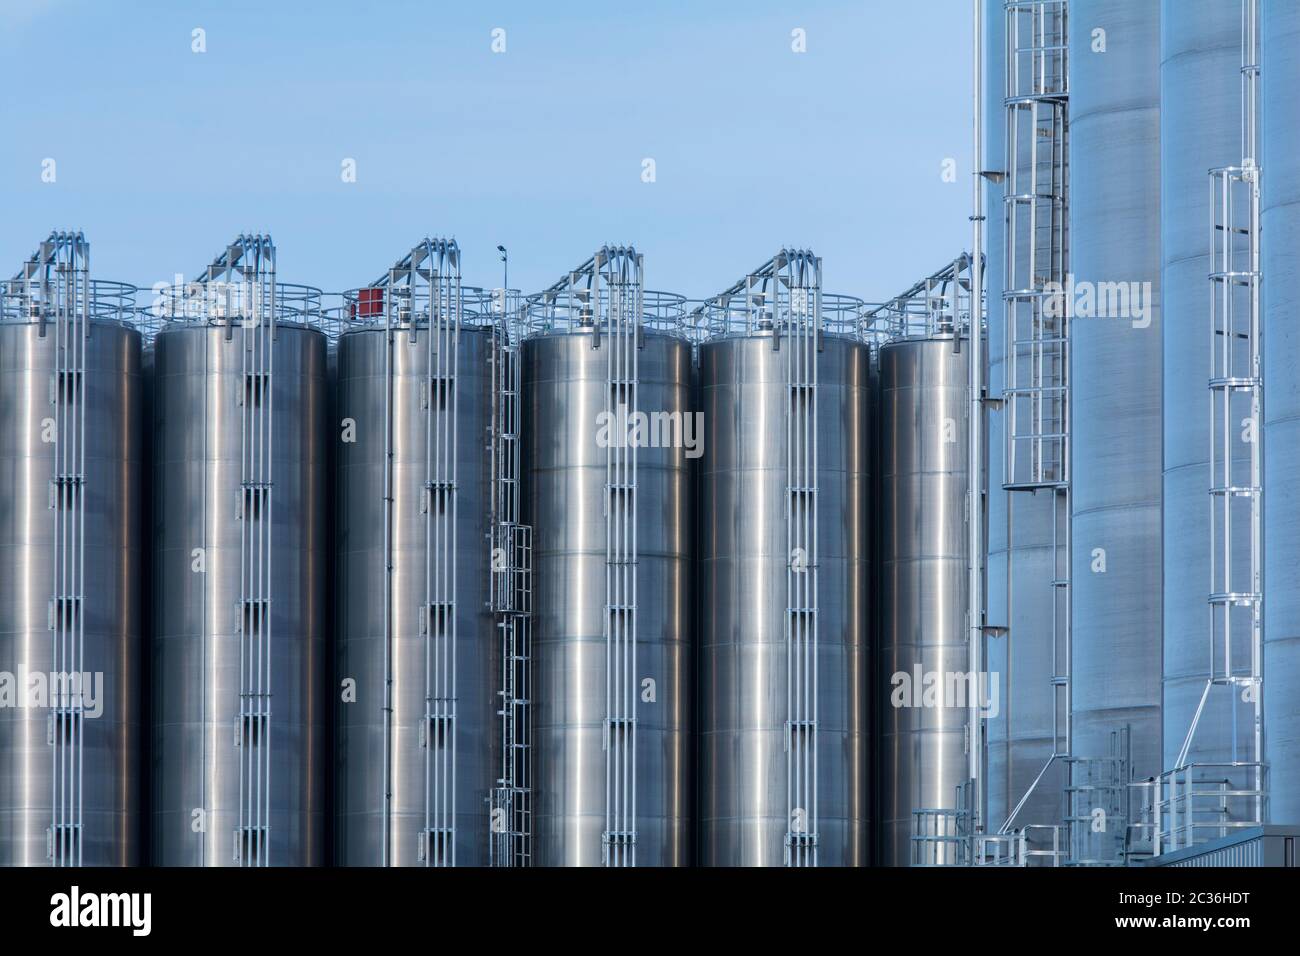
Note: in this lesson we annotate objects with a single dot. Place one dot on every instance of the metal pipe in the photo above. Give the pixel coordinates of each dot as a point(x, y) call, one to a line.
point(975, 442)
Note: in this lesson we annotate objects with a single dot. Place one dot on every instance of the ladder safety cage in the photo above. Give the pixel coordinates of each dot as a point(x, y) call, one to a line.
point(510, 588)
point(1236, 385)
point(1035, 211)
point(784, 296)
point(607, 295)
point(1195, 800)
point(1036, 314)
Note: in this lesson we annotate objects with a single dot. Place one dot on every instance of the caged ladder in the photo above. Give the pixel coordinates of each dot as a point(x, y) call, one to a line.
point(510, 583)
point(1236, 387)
point(1195, 801)
point(54, 287)
point(1036, 394)
point(618, 289)
point(795, 283)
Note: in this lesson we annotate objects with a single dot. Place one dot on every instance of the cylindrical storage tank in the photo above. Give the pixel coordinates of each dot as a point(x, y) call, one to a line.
point(744, 562)
point(1022, 557)
point(922, 555)
point(1281, 273)
point(565, 382)
point(64, 801)
point(1115, 381)
point(239, 663)
point(1200, 128)
point(385, 771)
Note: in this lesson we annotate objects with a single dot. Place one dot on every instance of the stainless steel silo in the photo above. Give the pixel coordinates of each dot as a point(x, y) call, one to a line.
point(610, 516)
point(749, 669)
point(1023, 551)
point(71, 460)
point(406, 795)
point(239, 664)
point(1200, 128)
point(1115, 376)
point(1281, 237)
point(923, 655)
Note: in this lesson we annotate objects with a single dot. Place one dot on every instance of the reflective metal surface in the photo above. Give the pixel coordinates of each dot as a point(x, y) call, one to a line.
point(565, 385)
point(1281, 272)
point(743, 562)
point(1114, 235)
point(112, 595)
point(922, 555)
point(1200, 128)
point(360, 779)
point(196, 657)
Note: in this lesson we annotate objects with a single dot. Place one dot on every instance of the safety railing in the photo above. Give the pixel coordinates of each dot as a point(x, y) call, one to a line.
point(572, 304)
point(1098, 805)
point(1198, 802)
point(938, 305)
point(940, 837)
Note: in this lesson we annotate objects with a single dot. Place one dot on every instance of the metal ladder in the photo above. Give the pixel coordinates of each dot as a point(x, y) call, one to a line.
point(1195, 801)
point(1237, 594)
point(795, 285)
point(424, 287)
point(1036, 394)
point(250, 261)
point(618, 289)
point(55, 287)
point(510, 583)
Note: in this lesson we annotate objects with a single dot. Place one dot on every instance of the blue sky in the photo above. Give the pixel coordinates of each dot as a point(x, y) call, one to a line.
point(162, 154)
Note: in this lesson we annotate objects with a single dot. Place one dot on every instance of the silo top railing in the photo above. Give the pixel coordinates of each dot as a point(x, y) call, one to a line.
point(21, 302)
point(840, 315)
point(850, 316)
point(572, 308)
point(937, 306)
point(219, 303)
point(365, 307)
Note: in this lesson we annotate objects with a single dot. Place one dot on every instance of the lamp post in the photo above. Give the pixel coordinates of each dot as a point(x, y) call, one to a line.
point(505, 275)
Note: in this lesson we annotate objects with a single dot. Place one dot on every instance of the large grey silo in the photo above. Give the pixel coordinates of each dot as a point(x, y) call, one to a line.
point(1281, 273)
point(239, 664)
point(578, 677)
point(69, 789)
point(922, 557)
point(405, 796)
point(745, 673)
point(1115, 376)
